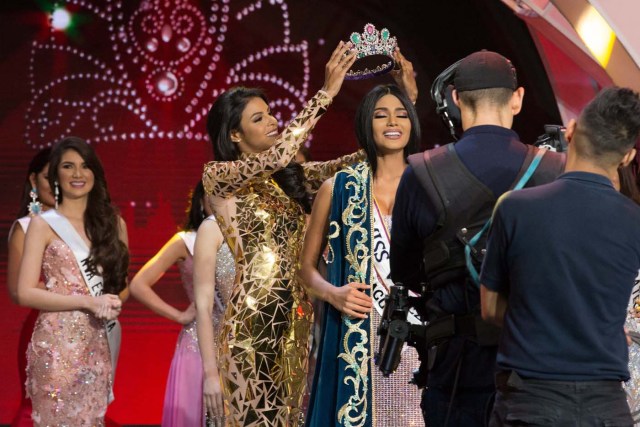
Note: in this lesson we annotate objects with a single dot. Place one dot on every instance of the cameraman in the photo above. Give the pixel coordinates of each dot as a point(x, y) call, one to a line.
point(455, 189)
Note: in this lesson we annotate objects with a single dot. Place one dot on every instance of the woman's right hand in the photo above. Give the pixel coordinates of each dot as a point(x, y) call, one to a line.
point(105, 307)
point(214, 399)
point(188, 315)
point(341, 60)
point(351, 300)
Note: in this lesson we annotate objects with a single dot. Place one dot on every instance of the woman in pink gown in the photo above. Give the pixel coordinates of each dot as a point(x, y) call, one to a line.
point(183, 394)
point(69, 372)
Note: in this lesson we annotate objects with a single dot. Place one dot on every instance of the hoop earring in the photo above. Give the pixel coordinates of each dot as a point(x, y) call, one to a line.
point(34, 207)
point(56, 193)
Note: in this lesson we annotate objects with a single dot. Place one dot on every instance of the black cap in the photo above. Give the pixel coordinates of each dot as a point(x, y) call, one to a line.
point(485, 70)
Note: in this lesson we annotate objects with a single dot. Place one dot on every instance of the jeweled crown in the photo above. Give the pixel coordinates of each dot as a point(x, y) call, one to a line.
point(372, 42)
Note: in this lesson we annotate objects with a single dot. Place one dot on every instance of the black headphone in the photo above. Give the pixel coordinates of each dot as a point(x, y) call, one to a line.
point(441, 93)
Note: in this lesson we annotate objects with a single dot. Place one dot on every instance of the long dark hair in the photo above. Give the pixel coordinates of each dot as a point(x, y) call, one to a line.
point(36, 165)
point(224, 117)
point(364, 122)
point(628, 183)
point(195, 210)
point(101, 221)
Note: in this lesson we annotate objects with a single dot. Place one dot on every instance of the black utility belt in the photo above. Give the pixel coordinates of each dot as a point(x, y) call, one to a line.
point(468, 325)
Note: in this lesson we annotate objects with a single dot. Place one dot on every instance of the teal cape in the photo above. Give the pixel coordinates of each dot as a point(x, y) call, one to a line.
point(342, 388)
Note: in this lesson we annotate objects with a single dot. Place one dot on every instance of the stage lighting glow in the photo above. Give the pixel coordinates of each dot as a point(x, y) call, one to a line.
point(167, 83)
point(60, 19)
point(596, 34)
point(176, 50)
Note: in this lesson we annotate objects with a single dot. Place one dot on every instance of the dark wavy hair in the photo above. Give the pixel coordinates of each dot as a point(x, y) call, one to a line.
point(364, 122)
point(101, 221)
point(224, 117)
point(195, 210)
point(36, 165)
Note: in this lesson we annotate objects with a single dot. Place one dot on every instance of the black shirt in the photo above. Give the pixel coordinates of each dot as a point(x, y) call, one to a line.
point(494, 155)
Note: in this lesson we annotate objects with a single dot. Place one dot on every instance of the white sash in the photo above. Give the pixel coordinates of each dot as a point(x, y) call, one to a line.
point(189, 239)
point(23, 223)
point(381, 266)
point(94, 282)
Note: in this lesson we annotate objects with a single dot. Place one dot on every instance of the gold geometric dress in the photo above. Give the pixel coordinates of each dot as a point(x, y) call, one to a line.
point(264, 345)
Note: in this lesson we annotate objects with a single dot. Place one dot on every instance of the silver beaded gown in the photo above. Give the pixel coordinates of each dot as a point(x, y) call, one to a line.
point(632, 387)
point(396, 402)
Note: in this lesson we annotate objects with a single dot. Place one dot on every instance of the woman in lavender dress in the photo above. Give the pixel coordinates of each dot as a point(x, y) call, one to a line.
point(183, 394)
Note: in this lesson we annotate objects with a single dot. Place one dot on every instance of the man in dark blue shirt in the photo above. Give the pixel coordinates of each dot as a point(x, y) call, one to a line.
point(489, 157)
point(561, 261)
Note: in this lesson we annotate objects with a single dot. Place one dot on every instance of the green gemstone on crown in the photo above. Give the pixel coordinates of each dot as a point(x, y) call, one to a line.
point(385, 34)
point(355, 38)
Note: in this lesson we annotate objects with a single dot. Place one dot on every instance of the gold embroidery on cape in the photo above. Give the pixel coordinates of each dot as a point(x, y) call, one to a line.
point(354, 412)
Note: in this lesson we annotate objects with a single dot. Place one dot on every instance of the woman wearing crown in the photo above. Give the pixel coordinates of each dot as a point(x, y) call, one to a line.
point(354, 211)
point(260, 197)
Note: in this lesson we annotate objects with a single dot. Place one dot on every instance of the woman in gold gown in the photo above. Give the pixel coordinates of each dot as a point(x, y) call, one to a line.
point(260, 197)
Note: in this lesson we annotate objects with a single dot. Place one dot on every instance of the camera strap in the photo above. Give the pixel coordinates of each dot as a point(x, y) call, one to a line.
point(469, 246)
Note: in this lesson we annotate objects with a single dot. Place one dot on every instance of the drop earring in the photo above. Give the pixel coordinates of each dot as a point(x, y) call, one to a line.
point(56, 193)
point(35, 207)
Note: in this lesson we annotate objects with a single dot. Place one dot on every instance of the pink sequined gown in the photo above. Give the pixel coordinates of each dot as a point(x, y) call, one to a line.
point(68, 361)
point(183, 405)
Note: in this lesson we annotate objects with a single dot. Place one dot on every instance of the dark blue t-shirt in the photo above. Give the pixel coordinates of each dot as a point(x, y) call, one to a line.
point(566, 254)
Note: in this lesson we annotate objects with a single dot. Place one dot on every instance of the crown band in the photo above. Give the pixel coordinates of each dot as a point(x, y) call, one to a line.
point(371, 43)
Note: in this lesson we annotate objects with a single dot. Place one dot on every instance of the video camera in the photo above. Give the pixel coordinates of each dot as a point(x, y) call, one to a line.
point(394, 330)
point(553, 139)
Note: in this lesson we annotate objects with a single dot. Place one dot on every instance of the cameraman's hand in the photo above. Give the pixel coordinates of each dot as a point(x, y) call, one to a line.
point(351, 300)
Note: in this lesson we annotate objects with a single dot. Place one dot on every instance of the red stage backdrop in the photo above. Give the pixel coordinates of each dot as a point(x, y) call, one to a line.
point(136, 79)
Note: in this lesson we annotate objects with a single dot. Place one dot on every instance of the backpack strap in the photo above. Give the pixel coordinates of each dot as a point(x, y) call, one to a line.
point(524, 176)
point(421, 165)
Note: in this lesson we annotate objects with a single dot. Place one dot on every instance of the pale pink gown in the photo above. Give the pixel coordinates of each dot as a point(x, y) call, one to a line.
point(68, 360)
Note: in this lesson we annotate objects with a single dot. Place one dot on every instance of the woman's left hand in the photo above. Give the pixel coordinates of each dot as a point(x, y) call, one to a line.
point(403, 74)
point(213, 400)
point(106, 307)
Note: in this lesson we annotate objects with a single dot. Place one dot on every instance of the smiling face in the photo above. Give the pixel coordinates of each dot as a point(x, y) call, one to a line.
point(391, 125)
point(258, 128)
point(75, 178)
